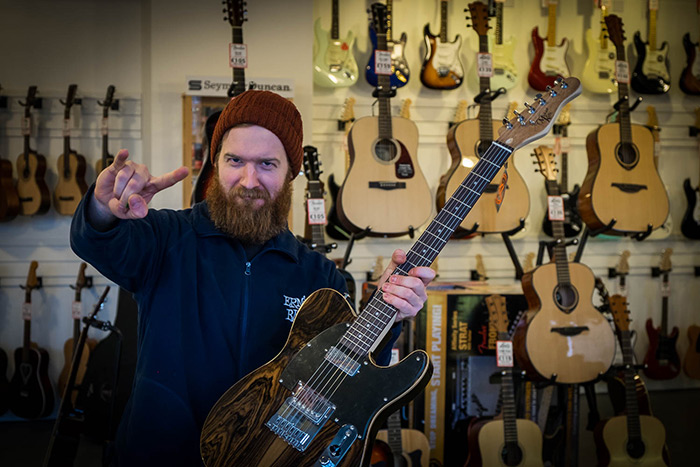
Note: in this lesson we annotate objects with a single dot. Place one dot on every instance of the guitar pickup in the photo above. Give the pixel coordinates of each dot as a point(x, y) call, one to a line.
point(342, 361)
point(570, 331)
point(629, 187)
point(388, 185)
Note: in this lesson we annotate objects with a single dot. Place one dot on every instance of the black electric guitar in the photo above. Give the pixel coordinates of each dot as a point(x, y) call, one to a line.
point(236, 15)
point(325, 397)
point(106, 158)
point(651, 73)
point(690, 226)
point(334, 229)
point(71, 184)
point(31, 393)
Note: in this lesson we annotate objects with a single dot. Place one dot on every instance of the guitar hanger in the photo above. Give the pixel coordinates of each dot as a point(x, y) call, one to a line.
point(489, 95)
point(113, 104)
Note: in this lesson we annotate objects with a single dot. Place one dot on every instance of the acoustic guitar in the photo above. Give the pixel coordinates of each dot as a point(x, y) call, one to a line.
point(107, 158)
point(9, 199)
point(653, 124)
point(691, 362)
point(505, 73)
point(632, 438)
point(71, 185)
point(385, 189)
point(651, 73)
point(550, 58)
point(690, 226)
point(598, 74)
point(622, 190)
point(562, 336)
point(442, 67)
point(31, 393)
point(510, 441)
point(70, 344)
point(334, 63)
point(662, 360)
point(34, 195)
point(334, 228)
point(689, 81)
point(325, 398)
point(400, 74)
point(496, 212)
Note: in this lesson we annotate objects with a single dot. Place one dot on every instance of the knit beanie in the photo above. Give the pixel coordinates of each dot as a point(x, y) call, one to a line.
point(268, 110)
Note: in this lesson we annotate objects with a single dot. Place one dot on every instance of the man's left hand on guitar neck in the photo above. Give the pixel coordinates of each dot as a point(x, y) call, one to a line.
point(406, 293)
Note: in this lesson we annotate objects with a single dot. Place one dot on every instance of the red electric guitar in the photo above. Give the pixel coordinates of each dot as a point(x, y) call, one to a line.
point(550, 58)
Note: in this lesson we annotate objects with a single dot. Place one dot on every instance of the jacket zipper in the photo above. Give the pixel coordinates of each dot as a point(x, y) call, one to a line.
point(244, 321)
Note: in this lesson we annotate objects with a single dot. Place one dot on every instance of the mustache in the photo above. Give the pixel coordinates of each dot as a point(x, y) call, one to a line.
point(249, 193)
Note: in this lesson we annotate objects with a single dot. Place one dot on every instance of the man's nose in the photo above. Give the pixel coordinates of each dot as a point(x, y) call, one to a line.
point(250, 177)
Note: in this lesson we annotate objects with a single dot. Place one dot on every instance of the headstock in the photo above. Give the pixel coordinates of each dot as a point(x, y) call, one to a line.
point(70, 100)
point(652, 119)
point(665, 265)
point(347, 114)
point(529, 263)
point(618, 308)
point(108, 102)
point(480, 267)
point(379, 18)
point(81, 281)
point(498, 315)
point(616, 32)
point(406, 109)
point(236, 13)
point(545, 160)
point(461, 111)
point(32, 280)
point(479, 14)
point(312, 165)
point(623, 266)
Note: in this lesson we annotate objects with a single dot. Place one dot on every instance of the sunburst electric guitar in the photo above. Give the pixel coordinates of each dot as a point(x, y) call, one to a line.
point(334, 63)
point(442, 67)
point(324, 398)
point(599, 70)
point(550, 58)
point(71, 166)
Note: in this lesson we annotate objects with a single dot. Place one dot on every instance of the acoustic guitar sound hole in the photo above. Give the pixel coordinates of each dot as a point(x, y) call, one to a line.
point(481, 147)
point(635, 448)
point(385, 150)
point(566, 297)
point(511, 454)
point(627, 155)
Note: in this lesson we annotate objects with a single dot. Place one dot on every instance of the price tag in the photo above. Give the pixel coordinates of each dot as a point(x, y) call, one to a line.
point(26, 126)
point(27, 311)
point(504, 353)
point(484, 65)
point(238, 55)
point(555, 208)
point(66, 127)
point(105, 129)
point(622, 72)
point(382, 62)
point(654, 5)
point(316, 208)
point(77, 310)
point(666, 289)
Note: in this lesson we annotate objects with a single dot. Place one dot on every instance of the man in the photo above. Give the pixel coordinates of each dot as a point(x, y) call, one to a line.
point(217, 285)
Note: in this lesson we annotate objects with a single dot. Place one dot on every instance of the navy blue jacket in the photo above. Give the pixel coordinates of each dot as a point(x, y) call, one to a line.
point(207, 317)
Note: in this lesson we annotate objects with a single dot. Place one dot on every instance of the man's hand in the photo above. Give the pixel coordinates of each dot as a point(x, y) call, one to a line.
point(406, 293)
point(124, 189)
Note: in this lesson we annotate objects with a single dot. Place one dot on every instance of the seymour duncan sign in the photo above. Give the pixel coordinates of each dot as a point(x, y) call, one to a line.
point(217, 86)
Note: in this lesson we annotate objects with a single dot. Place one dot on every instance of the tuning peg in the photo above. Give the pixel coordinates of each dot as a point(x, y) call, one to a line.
point(551, 91)
point(507, 124)
point(540, 99)
point(520, 118)
point(530, 108)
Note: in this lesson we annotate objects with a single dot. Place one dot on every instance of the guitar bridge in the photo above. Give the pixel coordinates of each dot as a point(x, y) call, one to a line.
point(301, 417)
point(570, 331)
point(629, 187)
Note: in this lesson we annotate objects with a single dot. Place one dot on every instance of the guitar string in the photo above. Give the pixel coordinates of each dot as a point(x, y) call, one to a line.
point(334, 379)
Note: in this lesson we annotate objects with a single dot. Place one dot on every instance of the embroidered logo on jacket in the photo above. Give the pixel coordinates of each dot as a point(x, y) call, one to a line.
point(292, 305)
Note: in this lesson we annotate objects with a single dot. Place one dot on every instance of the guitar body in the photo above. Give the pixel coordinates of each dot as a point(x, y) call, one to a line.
point(505, 73)
point(235, 431)
point(599, 70)
point(612, 448)
point(68, 347)
point(544, 352)
point(4, 384)
point(9, 199)
point(690, 226)
point(463, 142)
point(548, 64)
point(492, 444)
point(389, 196)
point(636, 198)
point(381, 455)
point(31, 393)
point(71, 185)
point(414, 445)
point(400, 74)
point(334, 64)
point(690, 77)
point(34, 195)
point(662, 360)
point(691, 363)
point(572, 221)
point(650, 75)
point(442, 68)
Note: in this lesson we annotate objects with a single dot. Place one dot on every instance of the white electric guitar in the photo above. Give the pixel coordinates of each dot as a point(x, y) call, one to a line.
point(505, 74)
point(334, 64)
point(599, 70)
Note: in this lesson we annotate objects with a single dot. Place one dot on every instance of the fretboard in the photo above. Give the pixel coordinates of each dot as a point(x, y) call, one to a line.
point(238, 73)
point(498, 33)
point(552, 25)
point(335, 30)
point(393, 424)
point(485, 117)
point(632, 407)
point(623, 114)
point(562, 262)
point(443, 21)
point(652, 30)
point(510, 426)
point(383, 99)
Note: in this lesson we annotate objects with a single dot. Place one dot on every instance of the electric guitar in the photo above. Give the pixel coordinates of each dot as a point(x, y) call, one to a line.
point(505, 73)
point(334, 228)
point(690, 226)
point(71, 184)
point(662, 360)
point(599, 70)
point(442, 67)
point(334, 64)
point(629, 439)
point(69, 345)
point(651, 73)
point(400, 74)
point(325, 398)
point(562, 336)
point(622, 190)
point(572, 221)
point(510, 441)
point(106, 158)
point(31, 393)
point(653, 124)
point(496, 212)
point(34, 195)
point(690, 76)
point(385, 172)
point(550, 58)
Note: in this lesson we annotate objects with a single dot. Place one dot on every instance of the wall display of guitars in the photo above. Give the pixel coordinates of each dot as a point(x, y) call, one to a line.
point(598, 74)
point(384, 192)
point(442, 66)
point(303, 420)
point(562, 337)
point(690, 226)
point(334, 63)
point(497, 211)
point(550, 59)
point(108, 103)
point(71, 166)
point(505, 74)
point(400, 74)
point(31, 392)
point(622, 193)
point(651, 73)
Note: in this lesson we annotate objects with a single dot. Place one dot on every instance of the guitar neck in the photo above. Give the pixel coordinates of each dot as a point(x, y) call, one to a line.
point(395, 442)
point(443, 21)
point(634, 429)
point(317, 237)
point(510, 427)
point(66, 148)
point(389, 20)
point(383, 99)
point(560, 259)
point(238, 73)
point(623, 114)
point(664, 307)
point(498, 33)
point(552, 25)
point(485, 115)
point(652, 30)
point(27, 338)
point(335, 30)
point(603, 28)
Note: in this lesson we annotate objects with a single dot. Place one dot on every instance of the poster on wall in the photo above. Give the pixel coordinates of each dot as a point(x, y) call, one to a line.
point(217, 86)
